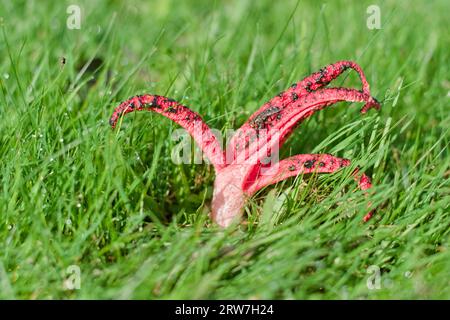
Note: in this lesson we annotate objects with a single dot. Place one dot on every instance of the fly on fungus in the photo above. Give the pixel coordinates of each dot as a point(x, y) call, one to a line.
point(242, 169)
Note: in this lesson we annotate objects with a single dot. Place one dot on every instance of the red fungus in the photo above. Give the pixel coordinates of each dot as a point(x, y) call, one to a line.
point(243, 169)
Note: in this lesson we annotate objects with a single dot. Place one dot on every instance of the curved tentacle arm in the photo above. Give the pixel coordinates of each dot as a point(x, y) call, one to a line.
point(327, 74)
point(272, 133)
point(295, 165)
point(303, 164)
point(309, 84)
point(180, 114)
point(287, 120)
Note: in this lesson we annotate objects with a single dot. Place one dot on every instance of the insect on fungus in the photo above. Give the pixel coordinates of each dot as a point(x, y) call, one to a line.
point(241, 169)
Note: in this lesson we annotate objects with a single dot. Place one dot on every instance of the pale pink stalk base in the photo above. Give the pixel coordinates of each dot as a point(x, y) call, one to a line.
point(242, 171)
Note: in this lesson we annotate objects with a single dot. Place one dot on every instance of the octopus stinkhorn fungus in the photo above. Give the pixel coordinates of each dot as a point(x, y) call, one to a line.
point(243, 168)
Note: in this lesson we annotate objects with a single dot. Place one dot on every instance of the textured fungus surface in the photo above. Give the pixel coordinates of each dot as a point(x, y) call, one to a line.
point(242, 169)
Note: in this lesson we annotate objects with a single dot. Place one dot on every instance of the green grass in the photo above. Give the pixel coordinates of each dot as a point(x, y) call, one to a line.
point(75, 192)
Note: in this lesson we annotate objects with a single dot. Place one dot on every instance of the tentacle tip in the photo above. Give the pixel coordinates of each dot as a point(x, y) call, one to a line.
point(368, 216)
point(372, 103)
point(112, 123)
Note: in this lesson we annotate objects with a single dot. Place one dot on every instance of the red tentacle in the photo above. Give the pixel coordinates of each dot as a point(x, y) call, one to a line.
point(295, 165)
point(180, 114)
point(304, 164)
point(327, 74)
point(307, 106)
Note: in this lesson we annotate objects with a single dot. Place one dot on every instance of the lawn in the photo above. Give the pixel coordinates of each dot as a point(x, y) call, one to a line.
point(87, 212)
